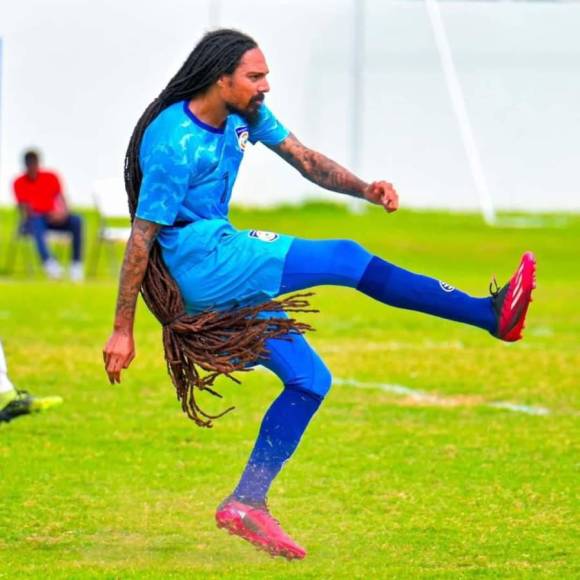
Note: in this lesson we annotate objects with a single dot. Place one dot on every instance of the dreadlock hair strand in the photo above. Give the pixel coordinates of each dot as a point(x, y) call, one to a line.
point(201, 348)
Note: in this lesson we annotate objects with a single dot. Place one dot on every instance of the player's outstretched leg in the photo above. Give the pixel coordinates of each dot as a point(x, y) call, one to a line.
point(15, 403)
point(346, 263)
point(306, 381)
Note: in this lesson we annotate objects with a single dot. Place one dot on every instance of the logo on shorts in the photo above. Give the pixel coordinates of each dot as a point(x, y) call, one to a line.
point(243, 135)
point(264, 236)
point(446, 287)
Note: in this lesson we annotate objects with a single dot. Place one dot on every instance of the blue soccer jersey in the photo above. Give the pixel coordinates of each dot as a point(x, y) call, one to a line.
point(189, 169)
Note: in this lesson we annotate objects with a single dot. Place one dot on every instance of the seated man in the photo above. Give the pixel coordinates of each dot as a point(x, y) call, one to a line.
point(40, 198)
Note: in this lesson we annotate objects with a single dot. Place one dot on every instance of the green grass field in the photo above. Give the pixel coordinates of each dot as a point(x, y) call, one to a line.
point(117, 483)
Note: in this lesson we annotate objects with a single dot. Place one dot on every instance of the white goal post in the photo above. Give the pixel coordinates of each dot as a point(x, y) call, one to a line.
point(460, 110)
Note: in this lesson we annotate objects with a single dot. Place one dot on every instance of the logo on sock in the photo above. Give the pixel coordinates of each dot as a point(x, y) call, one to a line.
point(446, 287)
point(264, 236)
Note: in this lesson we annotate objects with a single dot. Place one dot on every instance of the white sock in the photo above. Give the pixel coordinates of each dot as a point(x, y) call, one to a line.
point(5, 385)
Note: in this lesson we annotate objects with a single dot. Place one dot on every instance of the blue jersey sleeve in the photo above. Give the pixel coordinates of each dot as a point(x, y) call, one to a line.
point(165, 183)
point(267, 128)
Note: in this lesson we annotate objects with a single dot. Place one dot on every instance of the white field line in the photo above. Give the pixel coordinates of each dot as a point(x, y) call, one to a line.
point(529, 410)
point(427, 398)
point(532, 222)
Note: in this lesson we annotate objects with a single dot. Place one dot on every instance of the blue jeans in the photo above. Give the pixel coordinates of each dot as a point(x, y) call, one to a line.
point(38, 225)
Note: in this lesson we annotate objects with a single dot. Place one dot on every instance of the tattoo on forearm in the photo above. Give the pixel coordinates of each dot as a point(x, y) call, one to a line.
point(318, 168)
point(142, 237)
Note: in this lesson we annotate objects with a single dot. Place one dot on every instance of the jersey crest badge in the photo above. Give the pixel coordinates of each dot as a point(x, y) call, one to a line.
point(243, 135)
point(264, 236)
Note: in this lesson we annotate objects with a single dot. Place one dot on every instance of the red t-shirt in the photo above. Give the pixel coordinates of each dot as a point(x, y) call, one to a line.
point(41, 195)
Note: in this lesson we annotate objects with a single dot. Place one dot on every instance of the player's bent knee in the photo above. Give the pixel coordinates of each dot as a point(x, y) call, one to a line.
point(321, 379)
point(324, 380)
point(316, 381)
point(349, 250)
point(351, 259)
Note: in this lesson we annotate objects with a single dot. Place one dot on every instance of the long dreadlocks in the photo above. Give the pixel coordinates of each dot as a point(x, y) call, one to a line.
point(200, 348)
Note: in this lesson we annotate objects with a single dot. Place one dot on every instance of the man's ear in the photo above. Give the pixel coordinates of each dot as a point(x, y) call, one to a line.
point(224, 80)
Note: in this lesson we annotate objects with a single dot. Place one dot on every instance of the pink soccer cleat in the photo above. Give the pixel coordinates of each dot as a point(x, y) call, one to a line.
point(257, 526)
point(512, 300)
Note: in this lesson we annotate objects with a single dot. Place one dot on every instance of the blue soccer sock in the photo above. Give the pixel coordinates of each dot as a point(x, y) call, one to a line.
point(397, 287)
point(281, 431)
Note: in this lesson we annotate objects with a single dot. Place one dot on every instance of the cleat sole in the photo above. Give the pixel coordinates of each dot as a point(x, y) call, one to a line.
point(234, 528)
point(256, 526)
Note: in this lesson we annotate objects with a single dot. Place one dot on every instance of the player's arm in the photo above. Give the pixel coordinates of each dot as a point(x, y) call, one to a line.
point(60, 211)
point(328, 174)
point(120, 348)
point(62, 202)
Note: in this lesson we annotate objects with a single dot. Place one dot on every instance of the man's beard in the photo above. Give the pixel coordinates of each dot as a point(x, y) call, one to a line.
point(251, 112)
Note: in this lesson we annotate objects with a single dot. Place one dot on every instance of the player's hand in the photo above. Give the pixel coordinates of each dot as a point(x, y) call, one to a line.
point(382, 193)
point(118, 354)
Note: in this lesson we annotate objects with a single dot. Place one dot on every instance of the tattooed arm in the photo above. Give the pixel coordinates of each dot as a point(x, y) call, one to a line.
point(120, 348)
point(330, 175)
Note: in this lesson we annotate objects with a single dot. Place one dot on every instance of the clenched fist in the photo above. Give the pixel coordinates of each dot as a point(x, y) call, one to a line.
point(382, 193)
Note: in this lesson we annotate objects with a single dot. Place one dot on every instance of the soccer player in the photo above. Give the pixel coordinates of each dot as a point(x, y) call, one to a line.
point(14, 402)
point(40, 198)
point(211, 285)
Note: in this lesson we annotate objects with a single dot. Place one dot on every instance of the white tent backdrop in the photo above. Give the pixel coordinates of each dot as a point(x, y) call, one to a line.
point(76, 74)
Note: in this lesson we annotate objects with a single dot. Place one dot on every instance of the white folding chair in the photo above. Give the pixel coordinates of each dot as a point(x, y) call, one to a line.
point(21, 238)
point(111, 204)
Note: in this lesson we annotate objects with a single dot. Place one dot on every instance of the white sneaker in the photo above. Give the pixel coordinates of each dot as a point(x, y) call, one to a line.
point(53, 269)
point(77, 272)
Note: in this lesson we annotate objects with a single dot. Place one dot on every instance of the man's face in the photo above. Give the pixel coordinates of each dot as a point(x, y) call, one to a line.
point(31, 164)
point(244, 90)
